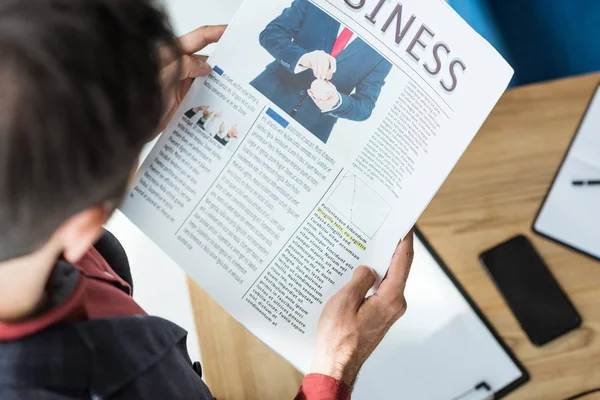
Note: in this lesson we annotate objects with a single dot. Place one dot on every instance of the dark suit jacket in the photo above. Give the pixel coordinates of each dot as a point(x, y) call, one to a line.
point(124, 358)
point(221, 140)
point(361, 71)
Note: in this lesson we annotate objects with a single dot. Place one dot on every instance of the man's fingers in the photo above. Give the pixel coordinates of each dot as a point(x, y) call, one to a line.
point(314, 64)
point(194, 41)
point(394, 282)
point(320, 65)
point(198, 39)
point(324, 67)
point(356, 290)
point(317, 66)
point(332, 65)
point(193, 66)
point(189, 67)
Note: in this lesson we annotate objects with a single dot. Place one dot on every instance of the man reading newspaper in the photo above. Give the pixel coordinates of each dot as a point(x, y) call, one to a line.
point(83, 85)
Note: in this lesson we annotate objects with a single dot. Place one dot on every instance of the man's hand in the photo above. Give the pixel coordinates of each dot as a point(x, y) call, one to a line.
point(233, 132)
point(328, 103)
point(322, 64)
point(351, 326)
point(189, 66)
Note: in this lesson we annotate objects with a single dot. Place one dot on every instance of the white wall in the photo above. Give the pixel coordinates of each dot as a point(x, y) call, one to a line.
point(187, 15)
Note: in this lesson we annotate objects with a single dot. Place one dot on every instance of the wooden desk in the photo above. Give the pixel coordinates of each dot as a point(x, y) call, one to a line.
point(493, 193)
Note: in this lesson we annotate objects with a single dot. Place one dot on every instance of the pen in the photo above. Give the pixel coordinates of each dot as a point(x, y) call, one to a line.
point(593, 182)
point(480, 386)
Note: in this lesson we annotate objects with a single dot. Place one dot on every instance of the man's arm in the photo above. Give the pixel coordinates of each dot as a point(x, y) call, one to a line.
point(352, 326)
point(359, 105)
point(278, 38)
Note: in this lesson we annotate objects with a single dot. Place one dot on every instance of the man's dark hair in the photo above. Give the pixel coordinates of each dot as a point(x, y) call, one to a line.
point(80, 94)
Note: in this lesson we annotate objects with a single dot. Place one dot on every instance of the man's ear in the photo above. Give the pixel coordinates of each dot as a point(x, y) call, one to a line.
point(81, 231)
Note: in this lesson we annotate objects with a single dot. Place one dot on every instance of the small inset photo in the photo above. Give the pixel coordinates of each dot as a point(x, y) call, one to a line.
point(215, 122)
point(226, 135)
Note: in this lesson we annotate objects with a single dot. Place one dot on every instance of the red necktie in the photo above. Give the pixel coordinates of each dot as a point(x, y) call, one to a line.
point(341, 42)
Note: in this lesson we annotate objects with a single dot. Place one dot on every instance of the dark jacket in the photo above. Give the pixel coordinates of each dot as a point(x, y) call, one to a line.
point(116, 358)
point(131, 357)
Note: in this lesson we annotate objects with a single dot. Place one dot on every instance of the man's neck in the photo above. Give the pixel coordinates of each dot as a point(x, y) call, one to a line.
point(23, 283)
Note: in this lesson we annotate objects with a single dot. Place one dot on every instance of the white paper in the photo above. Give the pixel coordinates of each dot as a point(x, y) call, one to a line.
point(571, 214)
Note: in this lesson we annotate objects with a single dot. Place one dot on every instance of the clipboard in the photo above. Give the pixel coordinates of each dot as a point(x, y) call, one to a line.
point(525, 374)
point(406, 368)
point(560, 217)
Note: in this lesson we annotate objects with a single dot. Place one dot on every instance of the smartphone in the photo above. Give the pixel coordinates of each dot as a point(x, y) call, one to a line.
point(531, 291)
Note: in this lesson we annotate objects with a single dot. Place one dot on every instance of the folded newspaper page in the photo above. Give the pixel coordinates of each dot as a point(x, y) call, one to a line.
point(319, 138)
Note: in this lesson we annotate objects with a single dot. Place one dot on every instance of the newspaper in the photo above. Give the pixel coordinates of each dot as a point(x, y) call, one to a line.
point(319, 138)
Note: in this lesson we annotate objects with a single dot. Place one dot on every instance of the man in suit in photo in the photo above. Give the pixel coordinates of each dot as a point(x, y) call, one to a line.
point(212, 121)
point(308, 44)
point(191, 113)
point(225, 139)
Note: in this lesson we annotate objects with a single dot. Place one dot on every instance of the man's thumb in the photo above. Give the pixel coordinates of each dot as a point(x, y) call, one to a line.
point(362, 280)
point(193, 66)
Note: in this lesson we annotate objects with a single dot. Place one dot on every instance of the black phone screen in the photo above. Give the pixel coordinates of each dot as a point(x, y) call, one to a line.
point(534, 296)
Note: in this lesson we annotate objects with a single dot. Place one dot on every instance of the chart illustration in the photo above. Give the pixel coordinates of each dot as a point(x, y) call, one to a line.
point(359, 204)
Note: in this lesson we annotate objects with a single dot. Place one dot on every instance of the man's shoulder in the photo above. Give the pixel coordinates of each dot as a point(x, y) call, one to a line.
point(55, 358)
point(303, 5)
point(100, 356)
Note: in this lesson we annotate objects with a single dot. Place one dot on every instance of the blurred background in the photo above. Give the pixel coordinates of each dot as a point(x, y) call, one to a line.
point(541, 39)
